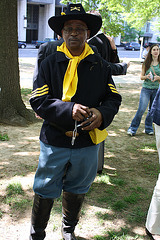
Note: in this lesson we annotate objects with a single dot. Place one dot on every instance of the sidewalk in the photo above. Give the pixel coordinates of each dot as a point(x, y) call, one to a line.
point(26, 74)
point(26, 68)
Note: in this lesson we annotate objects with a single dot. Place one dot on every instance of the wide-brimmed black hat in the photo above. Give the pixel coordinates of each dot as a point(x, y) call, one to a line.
point(75, 12)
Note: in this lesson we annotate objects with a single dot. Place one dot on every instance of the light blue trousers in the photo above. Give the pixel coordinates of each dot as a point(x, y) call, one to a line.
point(146, 97)
point(72, 170)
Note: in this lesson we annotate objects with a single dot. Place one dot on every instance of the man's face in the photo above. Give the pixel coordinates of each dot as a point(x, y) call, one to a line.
point(75, 34)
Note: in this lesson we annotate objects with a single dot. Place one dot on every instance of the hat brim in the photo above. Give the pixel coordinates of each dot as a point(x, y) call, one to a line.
point(93, 22)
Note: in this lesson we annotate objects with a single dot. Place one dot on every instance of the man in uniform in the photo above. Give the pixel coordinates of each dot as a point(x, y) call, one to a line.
point(75, 95)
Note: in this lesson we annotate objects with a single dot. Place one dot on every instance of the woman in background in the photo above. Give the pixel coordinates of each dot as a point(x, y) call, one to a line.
point(151, 76)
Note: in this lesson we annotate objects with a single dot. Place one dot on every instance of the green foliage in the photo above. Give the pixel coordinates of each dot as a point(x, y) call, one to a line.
point(14, 189)
point(103, 216)
point(25, 91)
point(4, 137)
point(115, 12)
point(149, 146)
point(115, 235)
point(15, 197)
point(137, 216)
point(111, 18)
point(1, 213)
point(98, 237)
point(118, 181)
point(133, 198)
point(19, 204)
point(130, 34)
point(158, 39)
point(119, 205)
point(141, 12)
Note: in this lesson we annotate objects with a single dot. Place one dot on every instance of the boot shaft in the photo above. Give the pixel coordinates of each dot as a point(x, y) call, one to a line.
point(41, 209)
point(40, 215)
point(71, 207)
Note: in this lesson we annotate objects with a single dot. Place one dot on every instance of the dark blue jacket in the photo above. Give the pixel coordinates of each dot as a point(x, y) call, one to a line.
point(155, 109)
point(95, 89)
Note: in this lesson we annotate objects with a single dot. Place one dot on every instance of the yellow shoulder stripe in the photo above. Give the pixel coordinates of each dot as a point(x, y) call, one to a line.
point(113, 89)
point(40, 91)
point(37, 89)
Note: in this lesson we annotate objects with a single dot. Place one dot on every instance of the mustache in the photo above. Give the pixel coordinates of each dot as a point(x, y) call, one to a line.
point(74, 38)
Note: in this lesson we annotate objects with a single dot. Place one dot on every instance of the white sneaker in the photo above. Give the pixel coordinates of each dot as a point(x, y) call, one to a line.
point(129, 132)
point(149, 133)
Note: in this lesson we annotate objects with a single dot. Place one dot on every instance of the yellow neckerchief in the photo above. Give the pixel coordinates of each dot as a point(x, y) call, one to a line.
point(71, 77)
point(70, 84)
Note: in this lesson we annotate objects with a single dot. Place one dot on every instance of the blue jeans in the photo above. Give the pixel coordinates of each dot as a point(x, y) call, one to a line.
point(72, 170)
point(146, 96)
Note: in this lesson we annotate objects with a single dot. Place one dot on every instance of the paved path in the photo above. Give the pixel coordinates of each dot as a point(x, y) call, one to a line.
point(128, 78)
point(26, 74)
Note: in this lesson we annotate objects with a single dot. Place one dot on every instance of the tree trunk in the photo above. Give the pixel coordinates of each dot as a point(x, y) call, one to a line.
point(12, 109)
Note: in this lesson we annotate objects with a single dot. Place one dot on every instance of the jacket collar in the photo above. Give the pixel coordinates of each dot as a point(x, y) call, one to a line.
point(61, 57)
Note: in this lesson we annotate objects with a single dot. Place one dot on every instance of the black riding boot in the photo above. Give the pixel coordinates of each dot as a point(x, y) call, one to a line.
point(71, 206)
point(40, 216)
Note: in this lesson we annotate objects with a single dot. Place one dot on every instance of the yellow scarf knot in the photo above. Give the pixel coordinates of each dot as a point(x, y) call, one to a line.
point(71, 77)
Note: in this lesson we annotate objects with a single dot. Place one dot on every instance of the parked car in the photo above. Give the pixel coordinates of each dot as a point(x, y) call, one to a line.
point(21, 44)
point(120, 45)
point(38, 43)
point(132, 46)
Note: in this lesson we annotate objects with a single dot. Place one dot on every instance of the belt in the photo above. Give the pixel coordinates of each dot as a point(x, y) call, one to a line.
point(69, 133)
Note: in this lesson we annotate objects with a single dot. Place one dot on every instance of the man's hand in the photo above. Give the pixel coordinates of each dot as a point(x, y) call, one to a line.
point(95, 120)
point(128, 64)
point(80, 112)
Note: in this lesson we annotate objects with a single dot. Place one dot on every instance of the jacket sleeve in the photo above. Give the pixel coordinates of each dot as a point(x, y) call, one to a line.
point(118, 68)
point(47, 103)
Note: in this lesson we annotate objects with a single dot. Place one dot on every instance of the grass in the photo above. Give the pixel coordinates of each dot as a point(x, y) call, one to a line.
point(116, 205)
point(123, 234)
point(1, 213)
point(16, 198)
point(132, 198)
point(138, 215)
point(25, 91)
point(4, 137)
point(14, 189)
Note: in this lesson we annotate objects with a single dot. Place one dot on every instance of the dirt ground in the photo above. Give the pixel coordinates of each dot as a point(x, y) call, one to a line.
point(125, 157)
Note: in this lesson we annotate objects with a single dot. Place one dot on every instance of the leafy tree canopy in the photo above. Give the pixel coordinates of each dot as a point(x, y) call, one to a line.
point(115, 12)
point(141, 11)
point(112, 19)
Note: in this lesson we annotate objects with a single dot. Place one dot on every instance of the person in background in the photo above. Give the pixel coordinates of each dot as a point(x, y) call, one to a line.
point(105, 44)
point(145, 51)
point(153, 216)
point(108, 51)
point(48, 48)
point(151, 76)
point(106, 47)
point(75, 95)
point(44, 51)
